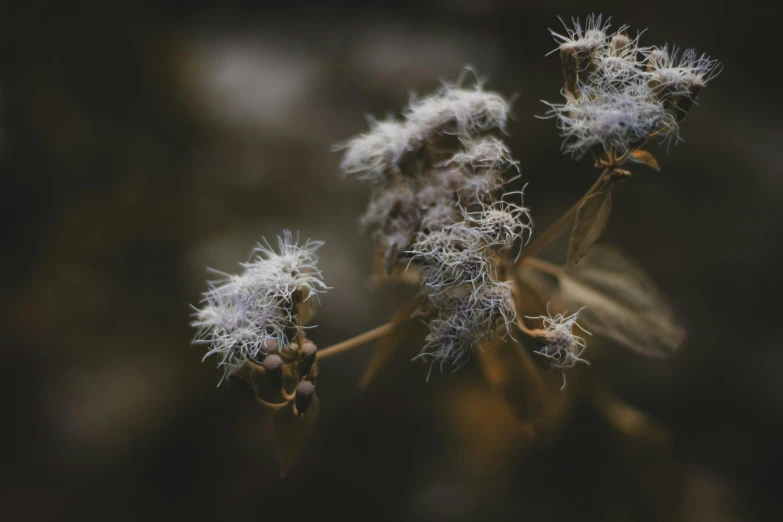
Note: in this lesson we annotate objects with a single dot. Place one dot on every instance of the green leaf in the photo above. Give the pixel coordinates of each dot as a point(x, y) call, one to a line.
point(590, 222)
point(622, 303)
point(388, 344)
point(292, 433)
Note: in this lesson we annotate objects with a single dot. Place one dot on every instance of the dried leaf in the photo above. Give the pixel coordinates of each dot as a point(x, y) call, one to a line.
point(591, 218)
point(389, 343)
point(622, 303)
point(292, 433)
point(645, 158)
point(511, 372)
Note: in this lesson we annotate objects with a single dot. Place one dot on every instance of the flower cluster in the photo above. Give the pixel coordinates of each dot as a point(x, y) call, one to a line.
point(437, 177)
point(618, 94)
point(248, 316)
point(561, 346)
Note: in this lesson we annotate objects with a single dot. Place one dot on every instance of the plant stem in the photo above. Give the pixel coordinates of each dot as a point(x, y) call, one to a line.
point(551, 232)
point(353, 342)
point(534, 334)
point(543, 266)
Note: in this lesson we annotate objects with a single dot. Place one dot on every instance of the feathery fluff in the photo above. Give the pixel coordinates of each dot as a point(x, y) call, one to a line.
point(443, 211)
point(606, 119)
point(588, 38)
point(242, 315)
point(374, 154)
point(563, 348)
point(464, 320)
point(618, 94)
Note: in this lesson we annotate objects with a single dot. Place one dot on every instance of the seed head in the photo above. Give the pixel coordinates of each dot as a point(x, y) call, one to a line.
point(464, 319)
point(372, 156)
point(500, 224)
point(579, 50)
point(244, 317)
point(562, 347)
point(605, 119)
point(457, 111)
point(480, 156)
point(676, 79)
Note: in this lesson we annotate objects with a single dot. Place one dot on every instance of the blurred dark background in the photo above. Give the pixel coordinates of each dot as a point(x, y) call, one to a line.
point(142, 142)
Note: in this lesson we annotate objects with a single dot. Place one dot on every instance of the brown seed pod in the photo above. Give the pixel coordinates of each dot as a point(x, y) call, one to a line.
point(307, 359)
point(304, 395)
point(273, 365)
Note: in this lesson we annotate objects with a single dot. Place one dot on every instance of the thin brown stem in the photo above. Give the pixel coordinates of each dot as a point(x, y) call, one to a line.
point(543, 266)
point(535, 381)
point(535, 334)
point(353, 342)
point(265, 404)
point(271, 405)
point(550, 233)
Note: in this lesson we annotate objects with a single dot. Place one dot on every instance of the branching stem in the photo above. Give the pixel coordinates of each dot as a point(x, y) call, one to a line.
point(353, 342)
point(550, 233)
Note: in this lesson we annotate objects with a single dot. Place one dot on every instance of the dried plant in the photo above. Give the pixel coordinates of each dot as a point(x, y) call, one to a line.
point(442, 219)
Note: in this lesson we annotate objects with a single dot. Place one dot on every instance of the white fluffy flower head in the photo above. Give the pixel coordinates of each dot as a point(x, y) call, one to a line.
point(372, 155)
point(243, 315)
point(482, 155)
point(589, 37)
point(454, 110)
point(619, 119)
point(501, 224)
point(563, 348)
point(464, 320)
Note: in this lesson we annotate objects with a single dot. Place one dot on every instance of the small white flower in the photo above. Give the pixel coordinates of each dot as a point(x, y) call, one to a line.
point(680, 73)
point(481, 155)
point(563, 348)
point(501, 223)
point(440, 215)
point(610, 118)
point(293, 269)
point(588, 39)
point(481, 188)
point(618, 64)
point(374, 154)
point(677, 79)
point(464, 319)
point(243, 314)
point(392, 209)
point(454, 110)
point(449, 258)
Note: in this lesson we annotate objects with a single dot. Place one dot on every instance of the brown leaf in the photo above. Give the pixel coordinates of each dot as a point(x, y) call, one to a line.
point(292, 433)
point(509, 369)
point(590, 222)
point(622, 303)
point(389, 343)
point(645, 158)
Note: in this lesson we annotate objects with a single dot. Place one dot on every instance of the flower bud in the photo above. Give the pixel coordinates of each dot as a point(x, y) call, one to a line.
point(579, 61)
point(307, 355)
point(304, 395)
point(271, 346)
point(618, 44)
point(273, 365)
point(657, 59)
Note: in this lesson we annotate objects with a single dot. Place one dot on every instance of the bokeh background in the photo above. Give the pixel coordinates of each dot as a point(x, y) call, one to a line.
point(143, 142)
